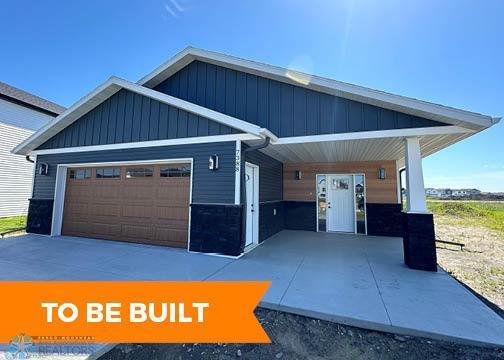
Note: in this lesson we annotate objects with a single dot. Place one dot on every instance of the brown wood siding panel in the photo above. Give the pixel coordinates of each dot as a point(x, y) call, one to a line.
point(377, 191)
point(150, 210)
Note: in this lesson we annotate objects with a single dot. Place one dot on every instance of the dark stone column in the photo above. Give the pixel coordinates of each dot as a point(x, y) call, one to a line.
point(216, 229)
point(419, 241)
point(40, 216)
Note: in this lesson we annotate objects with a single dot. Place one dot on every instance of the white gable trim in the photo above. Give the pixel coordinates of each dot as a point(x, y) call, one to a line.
point(383, 99)
point(109, 88)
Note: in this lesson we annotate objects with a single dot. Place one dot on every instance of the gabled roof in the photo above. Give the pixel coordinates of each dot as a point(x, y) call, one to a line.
point(109, 88)
point(32, 101)
point(383, 99)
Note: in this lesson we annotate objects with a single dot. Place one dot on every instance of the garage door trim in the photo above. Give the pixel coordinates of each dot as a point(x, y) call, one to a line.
point(61, 179)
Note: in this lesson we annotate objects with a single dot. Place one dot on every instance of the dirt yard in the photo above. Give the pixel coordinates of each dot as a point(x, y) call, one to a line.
point(299, 337)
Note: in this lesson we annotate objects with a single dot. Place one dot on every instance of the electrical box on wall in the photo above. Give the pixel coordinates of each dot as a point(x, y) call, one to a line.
point(213, 162)
point(43, 169)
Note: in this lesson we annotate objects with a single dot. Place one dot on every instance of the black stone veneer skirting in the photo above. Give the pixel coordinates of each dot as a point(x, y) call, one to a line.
point(216, 229)
point(271, 219)
point(384, 219)
point(40, 216)
point(300, 215)
point(419, 241)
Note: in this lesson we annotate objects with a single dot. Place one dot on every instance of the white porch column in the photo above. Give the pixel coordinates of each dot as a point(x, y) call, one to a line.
point(415, 190)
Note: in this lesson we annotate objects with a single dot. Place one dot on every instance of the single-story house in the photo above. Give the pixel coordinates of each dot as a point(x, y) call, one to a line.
point(215, 154)
point(21, 114)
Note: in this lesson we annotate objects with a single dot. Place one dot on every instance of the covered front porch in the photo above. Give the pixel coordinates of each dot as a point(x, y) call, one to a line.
point(352, 279)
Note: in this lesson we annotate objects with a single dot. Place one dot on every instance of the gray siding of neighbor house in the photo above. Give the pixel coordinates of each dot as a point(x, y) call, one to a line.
point(285, 109)
point(270, 175)
point(130, 117)
point(211, 187)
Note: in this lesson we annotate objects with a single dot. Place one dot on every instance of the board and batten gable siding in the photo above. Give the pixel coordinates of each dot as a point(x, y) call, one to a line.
point(209, 187)
point(130, 117)
point(16, 173)
point(377, 190)
point(270, 175)
point(285, 109)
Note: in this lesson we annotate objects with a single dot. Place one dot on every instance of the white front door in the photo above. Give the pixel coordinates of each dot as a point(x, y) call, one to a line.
point(340, 203)
point(252, 204)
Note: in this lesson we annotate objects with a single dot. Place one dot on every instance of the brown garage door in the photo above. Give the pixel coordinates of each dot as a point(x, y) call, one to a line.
point(137, 203)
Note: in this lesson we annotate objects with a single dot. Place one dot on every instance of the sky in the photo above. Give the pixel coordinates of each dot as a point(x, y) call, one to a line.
point(447, 52)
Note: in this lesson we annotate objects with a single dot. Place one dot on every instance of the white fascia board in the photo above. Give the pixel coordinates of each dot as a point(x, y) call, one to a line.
point(110, 87)
point(371, 96)
point(434, 130)
point(153, 143)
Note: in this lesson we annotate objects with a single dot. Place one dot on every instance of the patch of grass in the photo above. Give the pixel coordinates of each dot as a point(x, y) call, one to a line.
point(482, 213)
point(10, 223)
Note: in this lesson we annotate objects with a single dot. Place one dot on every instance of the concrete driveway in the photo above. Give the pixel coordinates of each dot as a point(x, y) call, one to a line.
point(350, 279)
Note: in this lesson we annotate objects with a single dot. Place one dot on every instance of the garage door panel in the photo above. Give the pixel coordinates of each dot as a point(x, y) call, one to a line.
point(149, 209)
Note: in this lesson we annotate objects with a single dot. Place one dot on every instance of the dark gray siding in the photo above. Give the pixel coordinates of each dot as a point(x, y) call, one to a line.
point(284, 109)
point(270, 175)
point(208, 186)
point(129, 117)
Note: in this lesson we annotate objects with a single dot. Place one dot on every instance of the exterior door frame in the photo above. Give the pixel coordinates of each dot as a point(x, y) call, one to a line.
point(255, 229)
point(61, 180)
point(353, 175)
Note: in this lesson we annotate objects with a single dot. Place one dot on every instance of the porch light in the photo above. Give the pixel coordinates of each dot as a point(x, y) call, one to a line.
point(382, 174)
point(298, 174)
point(213, 162)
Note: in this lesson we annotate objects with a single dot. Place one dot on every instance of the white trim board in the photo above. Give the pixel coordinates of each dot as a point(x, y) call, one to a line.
point(112, 86)
point(383, 99)
point(143, 144)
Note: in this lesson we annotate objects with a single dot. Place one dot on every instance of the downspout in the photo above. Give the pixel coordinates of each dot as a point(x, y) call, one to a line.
point(400, 187)
point(243, 190)
point(30, 160)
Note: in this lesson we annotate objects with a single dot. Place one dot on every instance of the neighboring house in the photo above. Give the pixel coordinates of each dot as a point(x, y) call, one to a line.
point(21, 114)
point(215, 154)
point(431, 192)
point(445, 192)
point(459, 193)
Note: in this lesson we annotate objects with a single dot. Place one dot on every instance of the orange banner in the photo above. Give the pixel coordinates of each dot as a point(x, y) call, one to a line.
point(132, 311)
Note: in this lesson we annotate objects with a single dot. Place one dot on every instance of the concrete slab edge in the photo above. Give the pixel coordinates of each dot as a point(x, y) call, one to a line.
point(370, 325)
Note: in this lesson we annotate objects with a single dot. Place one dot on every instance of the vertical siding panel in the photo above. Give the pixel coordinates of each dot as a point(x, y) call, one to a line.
point(96, 125)
point(251, 99)
point(192, 125)
point(326, 113)
point(174, 85)
point(137, 118)
point(192, 82)
point(128, 117)
point(286, 107)
point(119, 131)
point(241, 95)
point(230, 92)
point(182, 124)
point(183, 83)
point(274, 107)
point(299, 113)
point(370, 118)
point(112, 122)
point(89, 128)
point(340, 114)
point(386, 119)
point(201, 83)
point(354, 116)
point(173, 120)
point(82, 131)
point(210, 94)
point(220, 90)
point(145, 119)
point(164, 121)
point(68, 137)
point(104, 122)
point(262, 101)
point(154, 121)
point(313, 115)
point(202, 126)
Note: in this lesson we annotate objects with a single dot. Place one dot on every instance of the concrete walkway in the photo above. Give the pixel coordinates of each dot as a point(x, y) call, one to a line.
point(350, 279)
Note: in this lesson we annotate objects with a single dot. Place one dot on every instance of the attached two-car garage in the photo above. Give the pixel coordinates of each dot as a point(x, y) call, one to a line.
point(142, 203)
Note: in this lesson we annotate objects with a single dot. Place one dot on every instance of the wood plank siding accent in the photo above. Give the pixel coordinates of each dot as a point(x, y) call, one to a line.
point(377, 191)
point(130, 117)
point(285, 109)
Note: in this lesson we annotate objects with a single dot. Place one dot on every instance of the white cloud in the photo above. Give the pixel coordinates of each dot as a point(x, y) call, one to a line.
point(487, 181)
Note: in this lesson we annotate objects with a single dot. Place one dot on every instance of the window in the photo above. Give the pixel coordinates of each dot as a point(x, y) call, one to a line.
point(80, 174)
point(175, 171)
point(321, 203)
point(108, 173)
point(139, 172)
